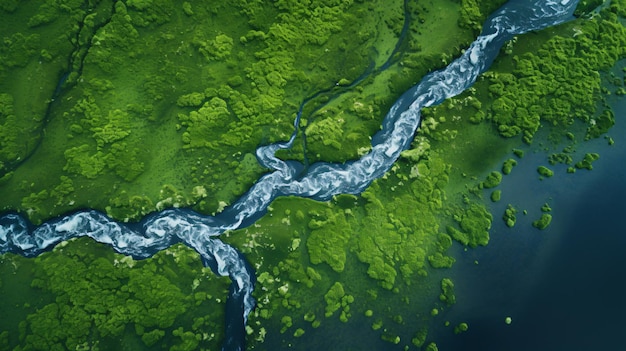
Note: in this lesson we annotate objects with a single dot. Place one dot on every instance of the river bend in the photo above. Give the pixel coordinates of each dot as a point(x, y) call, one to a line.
point(321, 181)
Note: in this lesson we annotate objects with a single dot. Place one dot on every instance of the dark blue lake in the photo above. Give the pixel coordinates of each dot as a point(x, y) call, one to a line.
point(564, 287)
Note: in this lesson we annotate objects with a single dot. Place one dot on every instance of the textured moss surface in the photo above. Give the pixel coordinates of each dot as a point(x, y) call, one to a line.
point(163, 106)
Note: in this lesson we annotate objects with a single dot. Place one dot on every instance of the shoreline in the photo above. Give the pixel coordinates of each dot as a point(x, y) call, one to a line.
point(556, 284)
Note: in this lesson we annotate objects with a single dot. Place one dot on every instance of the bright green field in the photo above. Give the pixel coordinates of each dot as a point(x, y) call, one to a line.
point(163, 105)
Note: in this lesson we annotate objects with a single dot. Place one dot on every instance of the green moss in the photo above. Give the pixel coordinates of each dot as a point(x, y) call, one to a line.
point(545, 171)
point(432, 347)
point(563, 158)
point(508, 165)
point(286, 322)
point(461, 328)
point(187, 9)
point(192, 99)
point(377, 324)
point(519, 153)
point(473, 13)
point(99, 294)
point(523, 106)
point(543, 222)
point(394, 339)
point(496, 195)
point(447, 292)
point(4, 340)
point(152, 337)
point(600, 124)
point(509, 216)
point(438, 260)
point(188, 340)
point(420, 337)
point(585, 7)
point(333, 298)
point(474, 222)
point(253, 84)
point(458, 235)
point(326, 242)
point(493, 179)
point(587, 161)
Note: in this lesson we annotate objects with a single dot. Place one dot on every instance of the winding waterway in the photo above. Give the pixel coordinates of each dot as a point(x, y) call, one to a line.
point(320, 181)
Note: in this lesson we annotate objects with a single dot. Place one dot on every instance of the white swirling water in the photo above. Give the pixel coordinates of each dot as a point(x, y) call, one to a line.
point(321, 181)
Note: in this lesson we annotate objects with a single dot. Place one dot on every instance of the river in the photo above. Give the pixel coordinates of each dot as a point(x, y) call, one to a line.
point(321, 181)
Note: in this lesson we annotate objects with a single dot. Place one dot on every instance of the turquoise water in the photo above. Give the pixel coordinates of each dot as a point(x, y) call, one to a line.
point(563, 287)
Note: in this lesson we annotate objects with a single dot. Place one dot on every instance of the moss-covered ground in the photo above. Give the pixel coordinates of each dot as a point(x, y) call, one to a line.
point(83, 296)
point(164, 105)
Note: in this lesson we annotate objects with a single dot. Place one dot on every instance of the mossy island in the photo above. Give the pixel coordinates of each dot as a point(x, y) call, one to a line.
point(543, 222)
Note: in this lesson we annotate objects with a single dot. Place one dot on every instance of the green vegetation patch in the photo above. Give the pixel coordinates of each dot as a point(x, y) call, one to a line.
point(509, 216)
point(493, 180)
point(587, 161)
point(545, 171)
point(461, 328)
point(496, 195)
point(447, 292)
point(600, 124)
point(508, 165)
point(474, 224)
point(543, 222)
point(330, 232)
point(96, 298)
point(552, 84)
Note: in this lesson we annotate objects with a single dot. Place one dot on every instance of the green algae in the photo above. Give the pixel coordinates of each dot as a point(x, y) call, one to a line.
point(447, 292)
point(545, 171)
point(461, 328)
point(496, 195)
point(508, 165)
point(563, 158)
point(509, 216)
point(543, 222)
point(587, 161)
point(600, 124)
point(493, 179)
point(438, 260)
point(474, 224)
point(420, 337)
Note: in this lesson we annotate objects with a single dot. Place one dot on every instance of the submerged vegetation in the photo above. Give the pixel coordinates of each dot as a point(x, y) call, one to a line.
point(162, 104)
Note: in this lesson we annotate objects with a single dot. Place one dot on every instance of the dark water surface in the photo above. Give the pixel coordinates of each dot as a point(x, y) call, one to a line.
point(563, 287)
